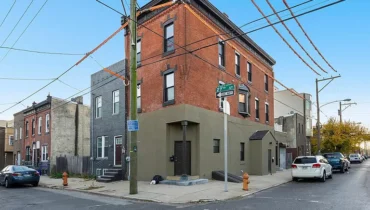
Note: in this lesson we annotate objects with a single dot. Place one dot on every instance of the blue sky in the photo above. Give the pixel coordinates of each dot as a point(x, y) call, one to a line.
point(341, 32)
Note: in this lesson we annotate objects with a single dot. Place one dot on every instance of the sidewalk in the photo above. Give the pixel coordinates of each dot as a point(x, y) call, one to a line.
point(212, 191)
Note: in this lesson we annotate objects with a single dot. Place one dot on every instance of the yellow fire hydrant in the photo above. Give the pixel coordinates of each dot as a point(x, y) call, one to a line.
point(65, 179)
point(245, 181)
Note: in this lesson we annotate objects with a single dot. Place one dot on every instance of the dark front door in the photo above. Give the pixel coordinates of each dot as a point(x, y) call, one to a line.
point(179, 159)
point(269, 160)
point(118, 150)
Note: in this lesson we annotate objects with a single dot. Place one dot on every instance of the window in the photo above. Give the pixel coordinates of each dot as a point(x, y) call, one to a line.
point(27, 129)
point(222, 99)
point(20, 133)
point(169, 38)
point(267, 112)
point(40, 125)
point(257, 105)
point(242, 149)
point(28, 154)
point(305, 160)
point(242, 103)
point(237, 64)
point(16, 134)
point(138, 52)
point(44, 152)
point(216, 145)
point(249, 70)
point(299, 127)
point(11, 139)
point(221, 53)
point(98, 104)
point(139, 96)
point(116, 102)
point(102, 144)
point(244, 100)
point(302, 129)
point(33, 126)
point(169, 92)
point(266, 83)
point(47, 126)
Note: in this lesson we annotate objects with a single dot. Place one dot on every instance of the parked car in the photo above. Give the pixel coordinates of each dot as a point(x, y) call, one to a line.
point(12, 175)
point(317, 167)
point(355, 158)
point(337, 161)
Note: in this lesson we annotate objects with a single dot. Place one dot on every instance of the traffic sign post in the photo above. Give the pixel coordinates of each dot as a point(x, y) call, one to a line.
point(132, 125)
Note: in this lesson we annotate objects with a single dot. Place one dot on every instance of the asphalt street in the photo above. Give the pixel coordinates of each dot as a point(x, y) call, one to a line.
point(345, 191)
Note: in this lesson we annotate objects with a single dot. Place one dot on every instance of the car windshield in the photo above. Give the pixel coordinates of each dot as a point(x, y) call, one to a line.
point(20, 168)
point(305, 160)
point(333, 156)
point(353, 155)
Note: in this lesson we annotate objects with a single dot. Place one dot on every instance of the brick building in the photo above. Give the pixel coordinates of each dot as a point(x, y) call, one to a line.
point(177, 93)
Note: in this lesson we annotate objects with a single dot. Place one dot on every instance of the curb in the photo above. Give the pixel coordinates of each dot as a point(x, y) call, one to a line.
point(263, 189)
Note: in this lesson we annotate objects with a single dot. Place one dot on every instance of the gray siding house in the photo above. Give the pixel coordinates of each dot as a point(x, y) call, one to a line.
point(108, 121)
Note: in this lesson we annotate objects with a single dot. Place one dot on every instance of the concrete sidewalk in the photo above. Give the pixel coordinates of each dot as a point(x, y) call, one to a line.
point(212, 191)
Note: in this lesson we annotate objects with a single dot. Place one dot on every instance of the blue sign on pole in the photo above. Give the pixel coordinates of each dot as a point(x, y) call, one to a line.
point(132, 125)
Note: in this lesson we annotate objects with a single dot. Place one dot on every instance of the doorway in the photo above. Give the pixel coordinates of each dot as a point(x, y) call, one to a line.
point(179, 158)
point(117, 150)
point(19, 158)
point(269, 161)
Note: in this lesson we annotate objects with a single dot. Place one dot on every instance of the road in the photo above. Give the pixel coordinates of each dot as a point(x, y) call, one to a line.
point(345, 191)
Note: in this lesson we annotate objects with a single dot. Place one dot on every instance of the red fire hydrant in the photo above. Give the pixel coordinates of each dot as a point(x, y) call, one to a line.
point(245, 181)
point(65, 179)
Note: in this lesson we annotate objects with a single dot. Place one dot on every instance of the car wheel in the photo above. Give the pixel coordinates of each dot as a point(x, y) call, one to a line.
point(331, 175)
point(295, 179)
point(342, 169)
point(323, 178)
point(7, 185)
point(35, 184)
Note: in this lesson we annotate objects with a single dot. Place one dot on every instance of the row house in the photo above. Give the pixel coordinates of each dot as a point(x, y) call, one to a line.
point(49, 129)
point(6, 143)
point(176, 98)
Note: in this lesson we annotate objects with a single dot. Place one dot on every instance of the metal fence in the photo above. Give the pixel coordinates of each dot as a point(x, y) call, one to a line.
point(73, 164)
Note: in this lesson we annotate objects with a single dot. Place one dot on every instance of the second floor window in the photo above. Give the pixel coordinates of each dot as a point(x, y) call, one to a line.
point(221, 53)
point(257, 105)
point(139, 96)
point(33, 126)
point(138, 52)
point(116, 102)
point(98, 104)
point(16, 134)
point(249, 70)
point(267, 116)
point(47, 124)
point(169, 38)
point(27, 129)
point(20, 133)
point(11, 139)
point(266, 83)
point(169, 92)
point(40, 125)
point(237, 64)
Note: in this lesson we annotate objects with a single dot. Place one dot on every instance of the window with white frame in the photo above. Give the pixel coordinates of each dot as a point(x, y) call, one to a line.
point(102, 147)
point(98, 104)
point(244, 101)
point(11, 139)
point(116, 102)
point(40, 125)
point(138, 52)
point(16, 134)
point(257, 106)
point(237, 64)
point(222, 99)
point(20, 133)
point(47, 124)
point(139, 96)
point(267, 116)
point(98, 172)
point(27, 128)
point(44, 153)
point(169, 92)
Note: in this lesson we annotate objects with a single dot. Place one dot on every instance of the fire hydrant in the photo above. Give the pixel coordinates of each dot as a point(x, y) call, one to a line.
point(245, 181)
point(65, 179)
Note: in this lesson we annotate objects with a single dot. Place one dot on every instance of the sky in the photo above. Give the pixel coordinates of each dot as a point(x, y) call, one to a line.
point(341, 32)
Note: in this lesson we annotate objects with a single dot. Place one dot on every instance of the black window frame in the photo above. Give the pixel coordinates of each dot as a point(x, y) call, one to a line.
point(28, 153)
point(249, 71)
point(27, 129)
point(299, 127)
point(267, 113)
point(221, 54)
point(167, 39)
point(167, 102)
point(242, 151)
point(216, 146)
point(257, 108)
point(266, 83)
point(33, 128)
point(237, 64)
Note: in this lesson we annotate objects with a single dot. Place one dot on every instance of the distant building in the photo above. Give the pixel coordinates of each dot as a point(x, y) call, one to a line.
point(6, 143)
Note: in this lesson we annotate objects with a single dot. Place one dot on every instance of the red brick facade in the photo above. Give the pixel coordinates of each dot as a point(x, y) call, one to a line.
point(196, 80)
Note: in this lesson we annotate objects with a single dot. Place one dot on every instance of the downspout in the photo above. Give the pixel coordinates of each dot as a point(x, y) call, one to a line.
point(76, 130)
point(92, 133)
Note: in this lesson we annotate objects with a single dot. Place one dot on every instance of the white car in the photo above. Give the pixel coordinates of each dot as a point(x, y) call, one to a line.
point(305, 167)
point(355, 158)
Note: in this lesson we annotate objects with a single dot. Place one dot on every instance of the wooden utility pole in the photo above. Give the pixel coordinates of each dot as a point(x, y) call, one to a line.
point(133, 100)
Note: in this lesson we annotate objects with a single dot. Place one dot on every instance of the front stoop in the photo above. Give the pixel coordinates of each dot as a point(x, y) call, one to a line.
point(111, 175)
point(184, 180)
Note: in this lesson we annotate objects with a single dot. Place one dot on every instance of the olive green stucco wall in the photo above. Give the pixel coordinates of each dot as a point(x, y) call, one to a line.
point(160, 129)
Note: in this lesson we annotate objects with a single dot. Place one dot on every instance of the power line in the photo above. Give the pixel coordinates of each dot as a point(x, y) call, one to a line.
point(124, 8)
point(24, 29)
point(5, 78)
point(309, 39)
point(19, 20)
point(295, 39)
point(6, 16)
point(286, 42)
point(110, 7)
point(67, 85)
point(41, 52)
point(8, 103)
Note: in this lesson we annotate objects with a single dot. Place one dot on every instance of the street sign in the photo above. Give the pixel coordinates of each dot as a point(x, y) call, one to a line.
point(132, 125)
point(225, 88)
point(225, 94)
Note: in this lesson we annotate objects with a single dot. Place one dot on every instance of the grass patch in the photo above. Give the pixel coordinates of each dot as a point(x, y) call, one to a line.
point(82, 176)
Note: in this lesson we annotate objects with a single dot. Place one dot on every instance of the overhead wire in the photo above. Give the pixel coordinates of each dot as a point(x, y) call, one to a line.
point(110, 7)
point(124, 8)
point(286, 42)
point(6, 16)
point(35, 79)
point(68, 85)
point(41, 52)
point(309, 39)
point(19, 20)
point(295, 38)
point(34, 17)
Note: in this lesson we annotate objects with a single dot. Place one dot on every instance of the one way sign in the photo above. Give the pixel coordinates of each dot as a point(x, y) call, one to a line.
point(225, 94)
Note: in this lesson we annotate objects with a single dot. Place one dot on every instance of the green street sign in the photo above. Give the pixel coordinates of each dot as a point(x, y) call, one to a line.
point(225, 88)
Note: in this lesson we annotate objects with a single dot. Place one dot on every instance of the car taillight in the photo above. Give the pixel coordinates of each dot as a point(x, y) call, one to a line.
point(16, 174)
point(37, 173)
point(317, 165)
point(294, 166)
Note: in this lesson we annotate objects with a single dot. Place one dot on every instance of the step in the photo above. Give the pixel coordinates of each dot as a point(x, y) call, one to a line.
point(111, 173)
point(114, 170)
point(178, 178)
point(107, 177)
point(103, 180)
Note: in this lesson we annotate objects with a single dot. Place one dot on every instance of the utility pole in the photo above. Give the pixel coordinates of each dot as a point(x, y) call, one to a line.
point(318, 127)
point(340, 112)
point(133, 100)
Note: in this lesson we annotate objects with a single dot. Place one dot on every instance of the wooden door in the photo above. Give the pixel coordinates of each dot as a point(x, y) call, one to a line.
point(118, 151)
